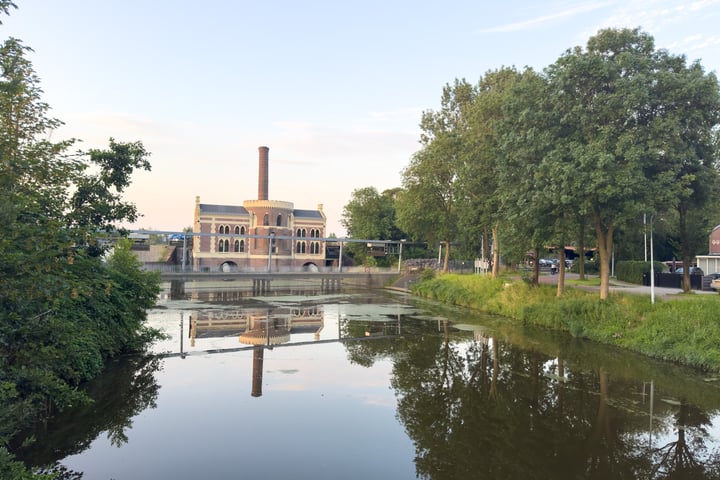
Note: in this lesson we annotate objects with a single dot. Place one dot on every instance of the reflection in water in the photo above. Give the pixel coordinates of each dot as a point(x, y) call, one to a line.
point(486, 401)
point(257, 371)
point(127, 388)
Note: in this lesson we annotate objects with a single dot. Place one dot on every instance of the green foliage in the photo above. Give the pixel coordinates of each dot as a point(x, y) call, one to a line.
point(635, 271)
point(63, 310)
point(684, 331)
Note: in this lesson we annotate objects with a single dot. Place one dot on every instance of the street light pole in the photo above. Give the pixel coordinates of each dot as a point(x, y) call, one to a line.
point(402, 240)
point(645, 233)
point(652, 267)
point(271, 240)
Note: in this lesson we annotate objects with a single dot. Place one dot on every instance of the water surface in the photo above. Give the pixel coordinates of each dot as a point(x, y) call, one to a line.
point(305, 384)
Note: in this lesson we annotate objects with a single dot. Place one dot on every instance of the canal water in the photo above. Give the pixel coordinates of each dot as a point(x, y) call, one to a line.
point(309, 384)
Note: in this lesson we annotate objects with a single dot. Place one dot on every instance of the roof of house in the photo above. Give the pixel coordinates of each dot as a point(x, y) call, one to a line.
point(307, 214)
point(226, 209)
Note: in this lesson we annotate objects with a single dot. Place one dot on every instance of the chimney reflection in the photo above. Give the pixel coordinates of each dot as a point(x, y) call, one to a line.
point(257, 373)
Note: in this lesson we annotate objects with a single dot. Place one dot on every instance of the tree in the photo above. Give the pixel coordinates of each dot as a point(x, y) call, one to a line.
point(97, 201)
point(428, 203)
point(479, 167)
point(604, 153)
point(370, 216)
point(63, 310)
point(687, 104)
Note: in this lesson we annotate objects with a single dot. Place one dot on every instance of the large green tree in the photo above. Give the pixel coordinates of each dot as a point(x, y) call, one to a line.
point(370, 215)
point(64, 309)
point(603, 97)
point(686, 104)
point(429, 201)
point(479, 172)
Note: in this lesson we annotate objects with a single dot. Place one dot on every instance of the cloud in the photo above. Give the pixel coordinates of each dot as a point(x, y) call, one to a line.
point(698, 42)
point(545, 19)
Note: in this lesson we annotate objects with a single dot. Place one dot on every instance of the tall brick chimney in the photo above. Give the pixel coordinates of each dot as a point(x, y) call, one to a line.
point(263, 173)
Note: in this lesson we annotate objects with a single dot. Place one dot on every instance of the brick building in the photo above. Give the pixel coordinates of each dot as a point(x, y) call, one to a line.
point(229, 237)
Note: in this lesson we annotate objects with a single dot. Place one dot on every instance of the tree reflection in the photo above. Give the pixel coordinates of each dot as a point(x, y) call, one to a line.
point(487, 410)
point(125, 389)
point(681, 459)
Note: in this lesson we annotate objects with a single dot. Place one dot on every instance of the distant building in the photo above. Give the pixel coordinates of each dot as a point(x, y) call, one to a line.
point(710, 263)
point(230, 237)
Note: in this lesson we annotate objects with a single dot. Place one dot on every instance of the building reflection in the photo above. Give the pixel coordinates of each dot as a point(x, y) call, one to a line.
point(262, 328)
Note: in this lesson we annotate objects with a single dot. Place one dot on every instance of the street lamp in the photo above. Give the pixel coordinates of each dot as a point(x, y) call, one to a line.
point(271, 242)
point(402, 240)
point(652, 267)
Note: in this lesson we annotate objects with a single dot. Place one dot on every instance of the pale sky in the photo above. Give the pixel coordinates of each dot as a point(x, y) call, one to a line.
point(335, 88)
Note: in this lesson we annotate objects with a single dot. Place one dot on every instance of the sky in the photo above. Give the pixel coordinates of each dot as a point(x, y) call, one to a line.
point(335, 89)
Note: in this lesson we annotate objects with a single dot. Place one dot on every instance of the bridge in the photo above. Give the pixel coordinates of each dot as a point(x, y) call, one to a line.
point(261, 281)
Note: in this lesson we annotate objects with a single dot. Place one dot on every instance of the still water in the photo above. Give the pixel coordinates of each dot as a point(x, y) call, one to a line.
point(375, 385)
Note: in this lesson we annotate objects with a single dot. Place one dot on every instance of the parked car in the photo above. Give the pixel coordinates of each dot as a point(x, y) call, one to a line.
point(693, 270)
point(715, 282)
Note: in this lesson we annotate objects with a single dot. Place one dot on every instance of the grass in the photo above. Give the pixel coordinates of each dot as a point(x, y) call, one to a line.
point(685, 332)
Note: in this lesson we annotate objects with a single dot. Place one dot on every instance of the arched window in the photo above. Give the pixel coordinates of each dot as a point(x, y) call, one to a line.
point(221, 244)
point(242, 246)
point(302, 247)
point(242, 230)
point(237, 245)
point(297, 247)
point(304, 233)
point(227, 245)
point(312, 248)
point(266, 220)
point(237, 230)
point(299, 233)
point(279, 221)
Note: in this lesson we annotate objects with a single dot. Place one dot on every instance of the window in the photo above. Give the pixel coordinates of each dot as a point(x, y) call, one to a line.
point(242, 246)
point(237, 245)
point(299, 233)
point(242, 230)
point(297, 247)
point(237, 230)
point(227, 245)
point(266, 220)
point(279, 221)
point(220, 246)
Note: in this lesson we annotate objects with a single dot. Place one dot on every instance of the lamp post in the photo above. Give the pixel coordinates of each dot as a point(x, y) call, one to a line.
point(645, 233)
point(271, 241)
point(402, 240)
point(652, 267)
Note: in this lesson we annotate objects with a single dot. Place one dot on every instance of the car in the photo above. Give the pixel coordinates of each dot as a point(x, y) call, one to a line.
point(693, 270)
point(715, 281)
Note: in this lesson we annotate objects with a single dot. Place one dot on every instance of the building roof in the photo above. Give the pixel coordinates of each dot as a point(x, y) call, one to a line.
point(225, 209)
point(307, 214)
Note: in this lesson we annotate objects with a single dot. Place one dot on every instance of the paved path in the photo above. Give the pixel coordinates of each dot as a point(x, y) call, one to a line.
point(618, 286)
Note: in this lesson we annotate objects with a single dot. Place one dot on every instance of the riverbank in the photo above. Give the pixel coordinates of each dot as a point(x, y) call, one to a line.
point(685, 332)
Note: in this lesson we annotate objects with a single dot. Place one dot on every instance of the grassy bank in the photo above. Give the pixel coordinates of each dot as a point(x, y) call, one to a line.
point(686, 332)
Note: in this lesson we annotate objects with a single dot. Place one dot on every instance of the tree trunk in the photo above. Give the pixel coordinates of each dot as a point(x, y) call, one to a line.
point(684, 247)
point(604, 245)
point(561, 271)
point(496, 253)
point(536, 268)
point(446, 259)
point(486, 246)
